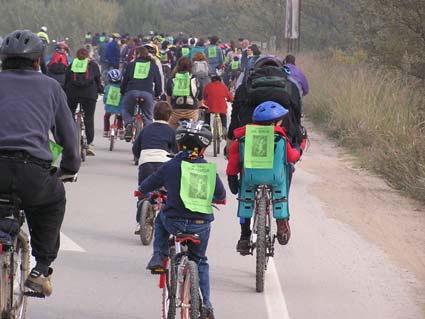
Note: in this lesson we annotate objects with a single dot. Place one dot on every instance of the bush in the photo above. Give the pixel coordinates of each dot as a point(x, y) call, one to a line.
point(377, 113)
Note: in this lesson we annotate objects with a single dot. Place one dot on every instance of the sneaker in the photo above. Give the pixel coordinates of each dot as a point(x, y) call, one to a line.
point(105, 134)
point(283, 231)
point(90, 150)
point(37, 282)
point(155, 265)
point(121, 133)
point(137, 230)
point(207, 313)
point(128, 132)
point(243, 247)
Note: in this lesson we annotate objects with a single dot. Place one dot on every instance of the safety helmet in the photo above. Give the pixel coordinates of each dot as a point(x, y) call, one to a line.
point(193, 135)
point(268, 112)
point(268, 60)
point(22, 44)
point(151, 48)
point(43, 28)
point(114, 75)
point(170, 39)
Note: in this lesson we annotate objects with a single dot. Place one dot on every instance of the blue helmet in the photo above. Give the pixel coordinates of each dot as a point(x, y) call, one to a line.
point(268, 111)
point(114, 75)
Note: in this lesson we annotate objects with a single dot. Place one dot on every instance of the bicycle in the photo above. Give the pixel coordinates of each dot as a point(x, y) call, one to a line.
point(81, 132)
point(262, 240)
point(217, 132)
point(138, 123)
point(148, 208)
point(179, 279)
point(114, 132)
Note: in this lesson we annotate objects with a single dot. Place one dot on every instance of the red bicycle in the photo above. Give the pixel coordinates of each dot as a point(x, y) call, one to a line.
point(115, 131)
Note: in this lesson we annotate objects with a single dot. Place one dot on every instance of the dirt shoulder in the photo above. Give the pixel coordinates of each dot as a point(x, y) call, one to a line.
point(378, 213)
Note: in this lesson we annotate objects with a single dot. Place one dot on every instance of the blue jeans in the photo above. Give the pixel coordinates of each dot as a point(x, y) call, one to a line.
point(165, 226)
point(129, 102)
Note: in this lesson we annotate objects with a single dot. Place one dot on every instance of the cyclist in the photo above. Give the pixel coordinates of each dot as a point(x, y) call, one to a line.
point(298, 77)
point(184, 93)
point(153, 144)
point(214, 55)
point(82, 86)
point(216, 96)
point(113, 102)
point(113, 52)
point(267, 113)
point(142, 79)
point(32, 106)
point(192, 140)
point(42, 34)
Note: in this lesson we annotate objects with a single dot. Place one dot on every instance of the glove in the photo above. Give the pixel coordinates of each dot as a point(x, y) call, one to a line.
point(233, 183)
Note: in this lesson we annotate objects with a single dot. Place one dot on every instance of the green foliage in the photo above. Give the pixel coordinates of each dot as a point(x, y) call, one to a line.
point(139, 17)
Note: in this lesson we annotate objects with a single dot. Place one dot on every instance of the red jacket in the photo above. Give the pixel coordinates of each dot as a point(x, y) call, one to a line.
point(215, 96)
point(233, 165)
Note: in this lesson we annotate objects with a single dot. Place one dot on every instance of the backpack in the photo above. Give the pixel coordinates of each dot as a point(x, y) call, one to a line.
point(270, 83)
point(58, 63)
point(200, 69)
point(82, 80)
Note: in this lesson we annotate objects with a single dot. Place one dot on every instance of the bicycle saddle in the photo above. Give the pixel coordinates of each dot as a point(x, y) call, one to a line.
point(182, 237)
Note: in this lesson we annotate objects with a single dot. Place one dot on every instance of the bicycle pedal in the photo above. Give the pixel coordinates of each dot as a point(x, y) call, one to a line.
point(34, 294)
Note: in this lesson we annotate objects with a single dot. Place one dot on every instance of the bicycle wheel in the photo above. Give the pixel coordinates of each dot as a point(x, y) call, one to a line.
point(169, 289)
point(190, 297)
point(260, 245)
point(112, 140)
point(216, 142)
point(147, 219)
point(79, 123)
point(20, 271)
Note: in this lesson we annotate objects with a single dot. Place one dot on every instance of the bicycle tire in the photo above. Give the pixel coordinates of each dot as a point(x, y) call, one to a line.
point(112, 141)
point(191, 300)
point(261, 244)
point(20, 271)
point(169, 290)
point(147, 219)
point(215, 137)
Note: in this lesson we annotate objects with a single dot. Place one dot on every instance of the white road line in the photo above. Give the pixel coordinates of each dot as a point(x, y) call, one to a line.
point(68, 244)
point(275, 300)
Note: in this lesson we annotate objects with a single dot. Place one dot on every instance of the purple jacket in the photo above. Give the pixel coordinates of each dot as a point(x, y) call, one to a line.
point(299, 77)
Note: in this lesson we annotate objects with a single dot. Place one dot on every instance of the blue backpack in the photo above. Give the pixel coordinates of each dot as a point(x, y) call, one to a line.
point(277, 178)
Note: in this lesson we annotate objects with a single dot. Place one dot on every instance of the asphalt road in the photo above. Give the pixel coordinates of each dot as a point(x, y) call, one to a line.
point(327, 270)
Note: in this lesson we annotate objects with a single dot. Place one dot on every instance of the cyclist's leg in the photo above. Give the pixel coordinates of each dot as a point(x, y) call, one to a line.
point(89, 107)
point(160, 242)
point(106, 122)
point(128, 104)
point(198, 254)
point(147, 107)
point(208, 118)
point(223, 118)
point(72, 104)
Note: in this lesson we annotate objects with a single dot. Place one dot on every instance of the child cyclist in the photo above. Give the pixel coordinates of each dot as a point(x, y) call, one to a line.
point(267, 113)
point(153, 144)
point(113, 102)
point(191, 185)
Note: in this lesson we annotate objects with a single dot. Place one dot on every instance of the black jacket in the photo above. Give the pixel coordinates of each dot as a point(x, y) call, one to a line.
point(91, 91)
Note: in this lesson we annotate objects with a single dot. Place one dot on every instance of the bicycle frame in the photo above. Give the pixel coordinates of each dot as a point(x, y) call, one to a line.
point(82, 139)
point(138, 119)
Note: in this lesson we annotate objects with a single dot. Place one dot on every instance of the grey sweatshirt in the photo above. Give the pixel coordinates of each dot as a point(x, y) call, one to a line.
point(31, 105)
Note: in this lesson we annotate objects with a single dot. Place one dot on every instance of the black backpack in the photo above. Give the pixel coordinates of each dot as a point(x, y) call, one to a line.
point(82, 80)
point(271, 83)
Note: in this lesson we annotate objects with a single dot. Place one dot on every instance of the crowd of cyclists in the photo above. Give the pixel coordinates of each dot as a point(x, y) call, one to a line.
point(173, 76)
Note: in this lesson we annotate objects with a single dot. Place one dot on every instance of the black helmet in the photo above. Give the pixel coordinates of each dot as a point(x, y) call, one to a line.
point(22, 44)
point(193, 134)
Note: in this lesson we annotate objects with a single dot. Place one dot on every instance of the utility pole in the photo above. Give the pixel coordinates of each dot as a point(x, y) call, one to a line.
point(293, 24)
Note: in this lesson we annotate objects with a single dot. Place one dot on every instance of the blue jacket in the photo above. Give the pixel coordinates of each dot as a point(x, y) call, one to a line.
point(169, 175)
point(214, 63)
point(113, 54)
point(112, 108)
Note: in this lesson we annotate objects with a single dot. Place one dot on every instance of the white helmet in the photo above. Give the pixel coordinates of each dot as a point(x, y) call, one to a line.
point(43, 28)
